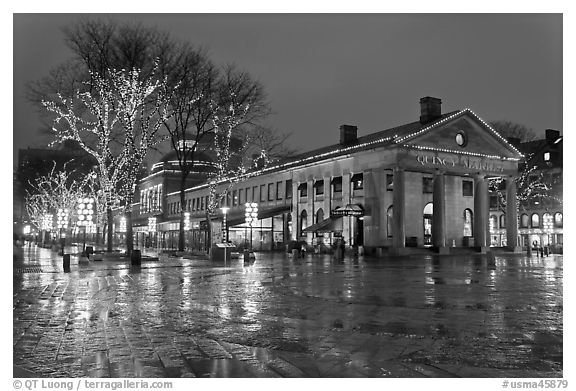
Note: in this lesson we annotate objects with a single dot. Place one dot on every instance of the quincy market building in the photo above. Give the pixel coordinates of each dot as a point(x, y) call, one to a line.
point(417, 185)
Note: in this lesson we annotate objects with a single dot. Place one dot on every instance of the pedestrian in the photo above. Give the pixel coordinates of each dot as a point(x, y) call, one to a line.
point(541, 251)
point(303, 250)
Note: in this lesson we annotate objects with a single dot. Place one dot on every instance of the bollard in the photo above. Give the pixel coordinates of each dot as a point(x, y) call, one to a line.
point(529, 251)
point(247, 256)
point(136, 258)
point(66, 262)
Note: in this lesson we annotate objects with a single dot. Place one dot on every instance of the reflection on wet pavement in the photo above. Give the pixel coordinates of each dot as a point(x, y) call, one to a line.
point(278, 317)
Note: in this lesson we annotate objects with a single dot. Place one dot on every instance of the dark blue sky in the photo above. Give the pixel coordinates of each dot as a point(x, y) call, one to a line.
point(369, 70)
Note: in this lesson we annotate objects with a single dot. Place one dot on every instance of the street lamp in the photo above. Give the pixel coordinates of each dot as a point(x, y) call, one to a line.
point(224, 210)
point(251, 215)
point(62, 223)
point(85, 216)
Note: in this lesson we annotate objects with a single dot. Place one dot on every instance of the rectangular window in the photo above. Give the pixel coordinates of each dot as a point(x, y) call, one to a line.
point(427, 185)
point(467, 188)
point(202, 203)
point(303, 189)
point(247, 197)
point(288, 189)
point(319, 187)
point(493, 201)
point(270, 192)
point(278, 190)
point(357, 181)
point(337, 184)
point(262, 193)
point(240, 198)
point(254, 194)
point(207, 202)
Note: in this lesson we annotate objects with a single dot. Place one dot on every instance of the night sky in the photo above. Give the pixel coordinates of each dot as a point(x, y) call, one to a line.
point(369, 70)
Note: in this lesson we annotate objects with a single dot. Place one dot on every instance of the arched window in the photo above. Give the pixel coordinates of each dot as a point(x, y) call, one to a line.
point(535, 219)
point(389, 223)
point(468, 223)
point(502, 221)
point(524, 220)
point(319, 215)
point(493, 223)
point(558, 222)
point(303, 221)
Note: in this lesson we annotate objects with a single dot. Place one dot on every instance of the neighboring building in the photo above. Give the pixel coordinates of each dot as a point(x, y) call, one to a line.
point(540, 191)
point(150, 207)
point(420, 184)
point(34, 163)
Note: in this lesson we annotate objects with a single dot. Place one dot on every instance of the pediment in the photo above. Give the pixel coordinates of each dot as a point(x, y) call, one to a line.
point(475, 137)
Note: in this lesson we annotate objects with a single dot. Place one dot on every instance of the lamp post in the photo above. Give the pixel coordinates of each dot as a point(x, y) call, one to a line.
point(251, 216)
point(224, 210)
point(47, 221)
point(62, 223)
point(85, 216)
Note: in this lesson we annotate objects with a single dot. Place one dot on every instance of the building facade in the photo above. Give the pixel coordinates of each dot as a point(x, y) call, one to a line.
point(422, 184)
point(540, 194)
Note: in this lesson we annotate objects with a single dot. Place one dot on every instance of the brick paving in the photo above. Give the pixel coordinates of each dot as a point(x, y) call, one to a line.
point(418, 316)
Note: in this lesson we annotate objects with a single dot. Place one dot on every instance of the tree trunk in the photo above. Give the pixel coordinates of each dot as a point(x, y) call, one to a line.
point(109, 229)
point(209, 228)
point(129, 233)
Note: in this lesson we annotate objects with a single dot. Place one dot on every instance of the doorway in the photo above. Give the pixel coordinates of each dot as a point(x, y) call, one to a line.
point(427, 226)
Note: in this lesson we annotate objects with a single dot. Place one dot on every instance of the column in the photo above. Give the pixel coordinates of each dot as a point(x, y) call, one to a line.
point(398, 218)
point(295, 211)
point(511, 215)
point(480, 213)
point(346, 196)
point(439, 213)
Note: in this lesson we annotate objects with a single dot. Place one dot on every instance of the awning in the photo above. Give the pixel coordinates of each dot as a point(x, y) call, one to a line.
point(348, 210)
point(331, 224)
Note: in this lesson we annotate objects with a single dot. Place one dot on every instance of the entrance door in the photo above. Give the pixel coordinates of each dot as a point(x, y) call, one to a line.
point(428, 213)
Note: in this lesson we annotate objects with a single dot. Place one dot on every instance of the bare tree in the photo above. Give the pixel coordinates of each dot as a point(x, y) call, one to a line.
point(123, 107)
point(58, 190)
point(509, 129)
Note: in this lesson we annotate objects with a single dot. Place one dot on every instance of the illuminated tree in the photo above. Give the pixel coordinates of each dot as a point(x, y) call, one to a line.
point(58, 190)
point(117, 122)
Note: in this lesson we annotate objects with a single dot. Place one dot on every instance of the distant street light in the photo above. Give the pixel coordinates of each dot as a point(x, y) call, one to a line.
point(85, 216)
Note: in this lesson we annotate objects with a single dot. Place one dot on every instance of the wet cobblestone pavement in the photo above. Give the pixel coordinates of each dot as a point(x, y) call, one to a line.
point(417, 316)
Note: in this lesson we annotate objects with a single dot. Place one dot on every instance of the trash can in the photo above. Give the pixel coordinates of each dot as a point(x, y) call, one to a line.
point(136, 257)
point(66, 262)
point(247, 256)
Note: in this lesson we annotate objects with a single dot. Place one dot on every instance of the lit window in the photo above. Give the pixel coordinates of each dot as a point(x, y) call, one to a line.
point(535, 220)
point(468, 221)
point(546, 156)
point(357, 181)
point(558, 220)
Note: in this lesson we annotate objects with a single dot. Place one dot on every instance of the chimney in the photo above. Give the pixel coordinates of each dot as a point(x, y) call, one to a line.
point(348, 134)
point(430, 109)
point(552, 135)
